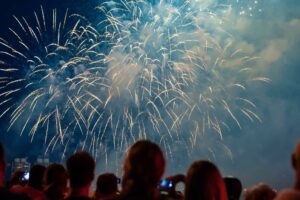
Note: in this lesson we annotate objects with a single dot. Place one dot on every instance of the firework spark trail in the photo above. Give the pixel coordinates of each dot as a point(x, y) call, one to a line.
point(173, 59)
point(162, 71)
point(48, 67)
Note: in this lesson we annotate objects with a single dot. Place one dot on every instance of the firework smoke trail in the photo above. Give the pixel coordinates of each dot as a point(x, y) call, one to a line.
point(166, 71)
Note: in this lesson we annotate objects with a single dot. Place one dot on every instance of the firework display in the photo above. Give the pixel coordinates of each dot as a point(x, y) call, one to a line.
point(165, 71)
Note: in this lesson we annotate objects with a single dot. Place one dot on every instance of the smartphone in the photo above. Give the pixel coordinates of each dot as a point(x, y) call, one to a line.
point(166, 184)
point(25, 176)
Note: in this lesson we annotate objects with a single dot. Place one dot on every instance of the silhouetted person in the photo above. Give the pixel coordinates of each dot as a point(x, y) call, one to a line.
point(143, 169)
point(16, 179)
point(55, 182)
point(34, 187)
point(260, 192)
point(5, 194)
point(204, 182)
point(293, 193)
point(107, 187)
point(233, 187)
point(80, 167)
point(168, 187)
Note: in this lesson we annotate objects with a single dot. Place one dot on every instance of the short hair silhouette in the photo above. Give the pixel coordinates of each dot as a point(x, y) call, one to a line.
point(107, 184)
point(233, 187)
point(80, 168)
point(143, 169)
point(296, 154)
point(55, 181)
point(204, 182)
point(260, 192)
point(36, 175)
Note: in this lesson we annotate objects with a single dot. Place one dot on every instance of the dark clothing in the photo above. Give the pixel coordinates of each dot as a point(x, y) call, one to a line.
point(132, 197)
point(5, 194)
point(136, 197)
point(77, 198)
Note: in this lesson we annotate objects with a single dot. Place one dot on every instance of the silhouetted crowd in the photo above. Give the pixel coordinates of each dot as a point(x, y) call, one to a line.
point(143, 169)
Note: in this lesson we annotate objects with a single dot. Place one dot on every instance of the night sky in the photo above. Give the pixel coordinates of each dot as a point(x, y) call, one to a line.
point(261, 151)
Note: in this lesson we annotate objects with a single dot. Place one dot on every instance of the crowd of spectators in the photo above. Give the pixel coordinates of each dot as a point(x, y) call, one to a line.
point(143, 170)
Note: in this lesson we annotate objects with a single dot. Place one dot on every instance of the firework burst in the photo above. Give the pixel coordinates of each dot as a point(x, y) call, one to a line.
point(166, 71)
point(44, 75)
point(173, 72)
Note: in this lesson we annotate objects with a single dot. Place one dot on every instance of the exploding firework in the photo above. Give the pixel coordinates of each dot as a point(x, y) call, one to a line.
point(173, 74)
point(165, 71)
point(44, 75)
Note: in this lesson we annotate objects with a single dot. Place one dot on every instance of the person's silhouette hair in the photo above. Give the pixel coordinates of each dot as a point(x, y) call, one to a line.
point(5, 194)
point(80, 167)
point(261, 191)
point(36, 175)
point(143, 169)
point(55, 181)
point(204, 182)
point(107, 186)
point(233, 187)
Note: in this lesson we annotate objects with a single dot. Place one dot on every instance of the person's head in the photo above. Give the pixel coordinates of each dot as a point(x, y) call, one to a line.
point(204, 181)
point(2, 159)
point(233, 187)
point(144, 165)
point(296, 158)
point(260, 192)
point(288, 195)
point(81, 167)
point(296, 165)
point(36, 175)
point(55, 181)
point(107, 184)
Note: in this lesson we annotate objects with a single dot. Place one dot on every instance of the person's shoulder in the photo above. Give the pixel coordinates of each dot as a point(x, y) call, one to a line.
point(132, 197)
point(288, 194)
point(33, 193)
point(78, 198)
point(5, 194)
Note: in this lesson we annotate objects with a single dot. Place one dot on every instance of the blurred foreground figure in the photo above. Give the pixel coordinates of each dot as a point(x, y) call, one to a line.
point(5, 194)
point(143, 169)
point(17, 180)
point(294, 193)
point(107, 187)
point(55, 182)
point(204, 182)
point(34, 187)
point(260, 192)
point(81, 167)
point(234, 188)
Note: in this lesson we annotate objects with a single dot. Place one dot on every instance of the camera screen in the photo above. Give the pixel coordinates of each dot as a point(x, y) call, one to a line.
point(25, 176)
point(166, 183)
